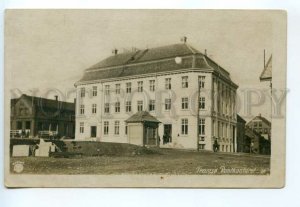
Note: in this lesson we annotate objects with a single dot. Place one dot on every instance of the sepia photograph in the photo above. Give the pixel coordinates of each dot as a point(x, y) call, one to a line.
point(145, 98)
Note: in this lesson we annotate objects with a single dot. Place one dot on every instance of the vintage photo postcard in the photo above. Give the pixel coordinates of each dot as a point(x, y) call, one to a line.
point(145, 98)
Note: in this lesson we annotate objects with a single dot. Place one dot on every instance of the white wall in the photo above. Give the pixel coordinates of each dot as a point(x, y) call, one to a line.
point(173, 116)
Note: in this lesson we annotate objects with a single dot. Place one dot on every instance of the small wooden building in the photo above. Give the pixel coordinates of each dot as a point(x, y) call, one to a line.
point(35, 116)
point(255, 142)
point(143, 129)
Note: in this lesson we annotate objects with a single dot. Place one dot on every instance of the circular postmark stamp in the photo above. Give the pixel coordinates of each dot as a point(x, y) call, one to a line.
point(18, 166)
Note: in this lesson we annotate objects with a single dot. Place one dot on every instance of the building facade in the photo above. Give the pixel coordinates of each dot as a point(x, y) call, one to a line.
point(193, 98)
point(254, 142)
point(36, 117)
point(261, 125)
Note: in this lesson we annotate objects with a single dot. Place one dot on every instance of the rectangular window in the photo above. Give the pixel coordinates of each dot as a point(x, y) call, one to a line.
point(82, 92)
point(140, 105)
point(107, 90)
point(126, 129)
point(201, 81)
point(128, 106)
point(117, 127)
point(167, 104)
point(184, 82)
point(81, 109)
point(19, 125)
point(27, 125)
point(128, 87)
point(94, 108)
point(106, 108)
point(185, 103)
point(222, 130)
point(140, 86)
point(202, 103)
point(94, 91)
point(201, 146)
point(117, 107)
point(168, 83)
point(184, 126)
point(152, 105)
point(81, 127)
point(201, 126)
point(106, 127)
point(255, 124)
point(118, 88)
point(152, 85)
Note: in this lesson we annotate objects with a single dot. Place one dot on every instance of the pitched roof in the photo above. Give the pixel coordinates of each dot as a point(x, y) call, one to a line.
point(45, 103)
point(266, 75)
point(240, 119)
point(154, 60)
point(145, 55)
point(142, 116)
point(262, 119)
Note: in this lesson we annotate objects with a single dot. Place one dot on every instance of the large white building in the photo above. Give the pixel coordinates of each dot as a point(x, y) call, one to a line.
point(193, 98)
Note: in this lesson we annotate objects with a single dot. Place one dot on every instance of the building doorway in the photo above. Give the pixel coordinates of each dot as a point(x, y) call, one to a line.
point(93, 131)
point(167, 137)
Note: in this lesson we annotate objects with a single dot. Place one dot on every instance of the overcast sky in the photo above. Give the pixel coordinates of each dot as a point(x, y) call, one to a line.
point(51, 49)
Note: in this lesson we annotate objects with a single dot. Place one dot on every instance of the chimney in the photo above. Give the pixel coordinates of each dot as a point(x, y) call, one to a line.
point(115, 51)
point(205, 52)
point(56, 98)
point(183, 39)
point(259, 114)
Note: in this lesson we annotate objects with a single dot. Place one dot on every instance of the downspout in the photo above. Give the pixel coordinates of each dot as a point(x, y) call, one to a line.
point(198, 104)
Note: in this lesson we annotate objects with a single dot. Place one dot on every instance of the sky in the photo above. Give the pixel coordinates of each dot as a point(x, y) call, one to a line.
point(50, 49)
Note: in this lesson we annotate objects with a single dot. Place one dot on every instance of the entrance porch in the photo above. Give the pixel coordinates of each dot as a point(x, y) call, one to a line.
point(143, 129)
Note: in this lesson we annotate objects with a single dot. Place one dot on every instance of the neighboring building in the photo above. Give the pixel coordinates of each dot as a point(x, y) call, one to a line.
point(33, 116)
point(192, 97)
point(261, 125)
point(240, 135)
point(255, 143)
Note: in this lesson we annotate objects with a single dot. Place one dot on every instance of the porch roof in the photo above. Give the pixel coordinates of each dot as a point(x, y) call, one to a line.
point(142, 116)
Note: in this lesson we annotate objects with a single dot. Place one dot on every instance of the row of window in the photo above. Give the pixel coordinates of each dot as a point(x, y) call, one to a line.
point(257, 124)
point(225, 100)
point(184, 127)
point(168, 86)
point(261, 130)
point(140, 105)
point(105, 127)
point(223, 129)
